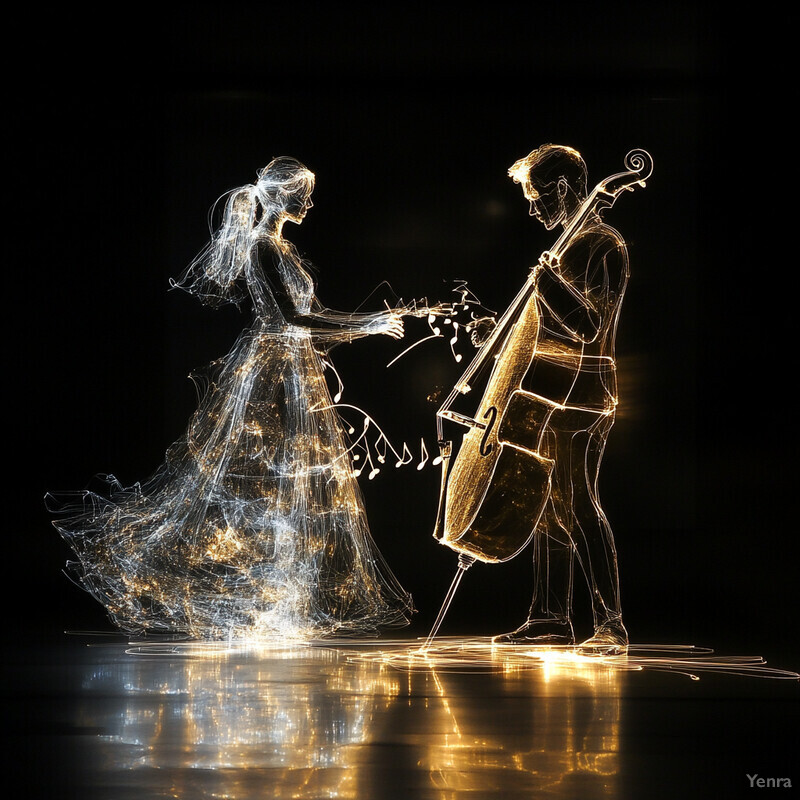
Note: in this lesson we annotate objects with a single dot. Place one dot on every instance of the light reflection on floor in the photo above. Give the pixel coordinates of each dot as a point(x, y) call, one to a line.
point(350, 720)
point(307, 722)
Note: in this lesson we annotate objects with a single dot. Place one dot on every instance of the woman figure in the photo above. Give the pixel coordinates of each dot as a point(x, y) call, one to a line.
point(255, 524)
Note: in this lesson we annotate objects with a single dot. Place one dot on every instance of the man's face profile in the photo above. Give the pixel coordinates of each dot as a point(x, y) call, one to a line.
point(547, 200)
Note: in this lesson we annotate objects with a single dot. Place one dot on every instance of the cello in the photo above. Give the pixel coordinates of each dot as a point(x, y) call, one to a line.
point(494, 489)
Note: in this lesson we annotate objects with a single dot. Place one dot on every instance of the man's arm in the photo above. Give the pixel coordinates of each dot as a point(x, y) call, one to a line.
point(578, 288)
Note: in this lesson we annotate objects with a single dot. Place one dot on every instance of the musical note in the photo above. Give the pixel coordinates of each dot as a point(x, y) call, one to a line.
point(329, 365)
point(453, 340)
point(405, 458)
point(444, 312)
point(424, 455)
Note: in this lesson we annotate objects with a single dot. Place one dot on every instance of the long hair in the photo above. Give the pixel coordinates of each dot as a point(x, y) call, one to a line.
point(249, 217)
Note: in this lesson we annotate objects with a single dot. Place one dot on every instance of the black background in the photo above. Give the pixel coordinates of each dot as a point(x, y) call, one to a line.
point(128, 130)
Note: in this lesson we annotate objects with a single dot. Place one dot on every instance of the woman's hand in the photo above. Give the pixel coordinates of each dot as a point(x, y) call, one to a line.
point(389, 322)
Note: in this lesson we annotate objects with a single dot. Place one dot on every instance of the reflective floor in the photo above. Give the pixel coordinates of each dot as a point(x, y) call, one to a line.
point(93, 718)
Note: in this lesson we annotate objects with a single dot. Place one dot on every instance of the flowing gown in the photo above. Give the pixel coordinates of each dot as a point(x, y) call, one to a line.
point(254, 525)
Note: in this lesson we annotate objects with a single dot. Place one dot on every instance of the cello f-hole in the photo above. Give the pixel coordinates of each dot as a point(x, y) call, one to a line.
point(491, 415)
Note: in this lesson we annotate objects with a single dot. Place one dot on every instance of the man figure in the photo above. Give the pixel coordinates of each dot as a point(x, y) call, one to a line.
point(573, 377)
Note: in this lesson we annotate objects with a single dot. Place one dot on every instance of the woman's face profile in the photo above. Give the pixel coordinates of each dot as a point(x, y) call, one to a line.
point(297, 206)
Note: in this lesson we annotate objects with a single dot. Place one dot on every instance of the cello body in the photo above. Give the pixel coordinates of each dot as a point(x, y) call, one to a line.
point(496, 485)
